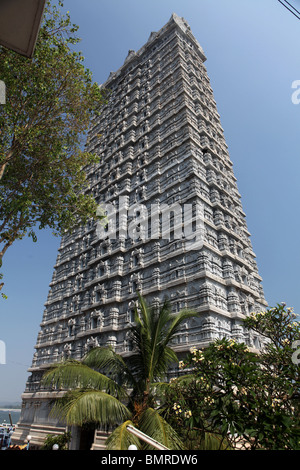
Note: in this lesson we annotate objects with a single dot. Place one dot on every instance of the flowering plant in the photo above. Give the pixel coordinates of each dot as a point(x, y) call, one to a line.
point(246, 398)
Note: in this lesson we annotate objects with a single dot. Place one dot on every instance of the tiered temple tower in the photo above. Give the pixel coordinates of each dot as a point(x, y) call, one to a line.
point(176, 224)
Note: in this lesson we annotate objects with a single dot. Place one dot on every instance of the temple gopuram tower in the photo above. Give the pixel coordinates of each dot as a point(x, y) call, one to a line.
point(176, 226)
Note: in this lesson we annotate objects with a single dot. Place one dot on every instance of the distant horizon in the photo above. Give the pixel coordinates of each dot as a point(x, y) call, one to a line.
point(10, 405)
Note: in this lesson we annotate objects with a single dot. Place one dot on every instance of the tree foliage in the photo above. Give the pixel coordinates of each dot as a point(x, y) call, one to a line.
point(50, 101)
point(61, 440)
point(249, 399)
point(152, 332)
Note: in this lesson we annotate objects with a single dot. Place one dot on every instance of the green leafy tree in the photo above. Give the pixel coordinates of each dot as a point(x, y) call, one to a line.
point(96, 396)
point(50, 101)
point(61, 440)
point(246, 399)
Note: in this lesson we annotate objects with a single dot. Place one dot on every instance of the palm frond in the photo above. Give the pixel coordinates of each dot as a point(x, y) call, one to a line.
point(213, 441)
point(76, 375)
point(152, 333)
point(106, 360)
point(160, 389)
point(176, 321)
point(89, 406)
point(153, 424)
point(121, 439)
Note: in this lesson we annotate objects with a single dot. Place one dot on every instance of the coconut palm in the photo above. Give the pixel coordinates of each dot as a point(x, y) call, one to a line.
point(101, 384)
point(90, 396)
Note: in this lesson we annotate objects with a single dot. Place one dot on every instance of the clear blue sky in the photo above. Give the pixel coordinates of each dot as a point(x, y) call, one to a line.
point(252, 49)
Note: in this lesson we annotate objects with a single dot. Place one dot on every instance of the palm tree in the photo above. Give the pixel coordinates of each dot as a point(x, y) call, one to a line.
point(90, 395)
point(101, 384)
